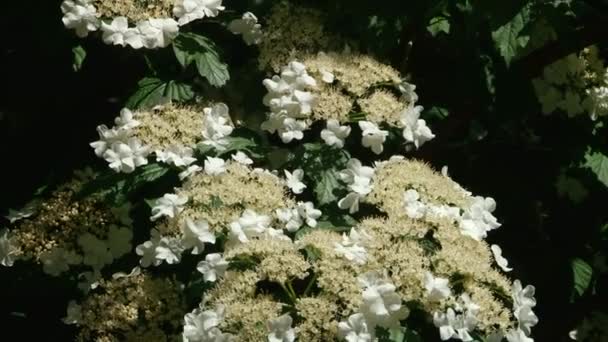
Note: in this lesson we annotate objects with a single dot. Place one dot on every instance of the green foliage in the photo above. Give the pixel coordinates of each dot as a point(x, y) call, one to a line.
point(80, 54)
point(438, 25)
point(154, 91)
point(321, 164)
point(582, 274)
point(598, 163)
point(510, 37)
point(116, 188)
point(401, 334)
point(191, 48)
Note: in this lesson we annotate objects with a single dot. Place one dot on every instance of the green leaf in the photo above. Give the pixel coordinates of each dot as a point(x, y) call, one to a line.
point(438, 25)
point(321, 164)
point(598, 163)
point(436, 113)
point(116, 187)
point(571, 188)
point(191, 48)
point(582, 274)
point(153, 91)
point(510, 38)
point(80, 54)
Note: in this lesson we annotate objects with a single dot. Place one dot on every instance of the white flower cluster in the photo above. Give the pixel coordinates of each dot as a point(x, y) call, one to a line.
point(352, 247)
point(459, 321)
point(248, 27)
point(203, 326)
point(96, 253)
point(359, 182)
point(295, 218)
point(82, 16)
point(124, 151)
point(290, 102)
point(476, 221)
point(564, 85)
point(381, 306)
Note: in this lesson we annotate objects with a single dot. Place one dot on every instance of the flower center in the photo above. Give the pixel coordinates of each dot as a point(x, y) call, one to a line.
point(135, 10)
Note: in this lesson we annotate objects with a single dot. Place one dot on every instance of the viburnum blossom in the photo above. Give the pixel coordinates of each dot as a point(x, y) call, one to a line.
point(8, 251)
point(249, 225)
point(281, 330)
point(372, 136)
point(158, 33)
point(213, 266)
point(202, 326)
point(356, 329)
point(126, 156)
point(177, 155)
point(118, 32)
point(478, 219)
point(334, 135)
point(415, 129)
point(169, 205)
point(215, 166)
point(381, 304)
point(248, 27)
point(217, 126)
point(294, 181)
point(500, 260)
point(241, 158)
point(436, 288)
point(190, 10)
point(81, 16)
point(195, 234)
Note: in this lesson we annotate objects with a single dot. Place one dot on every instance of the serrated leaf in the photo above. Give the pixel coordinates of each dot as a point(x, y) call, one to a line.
point(582, 274)
point(510, 37)
point(598, 163)
point(80, 54)
point(321, 164)
point(438, 25)
point(190, 48)
point(154, 91)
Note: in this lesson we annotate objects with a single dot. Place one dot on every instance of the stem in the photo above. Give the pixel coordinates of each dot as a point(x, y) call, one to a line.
point(290, 288)
point(309, 286)
point(291, 296)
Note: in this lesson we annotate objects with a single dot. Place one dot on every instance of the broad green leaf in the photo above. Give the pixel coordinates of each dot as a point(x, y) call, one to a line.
point(582, 274)
point(438, 25)
point(191, 48)
point(153, 91)
point(598, 163)
point(510, 37)
point(321, 164)
point(571, 188)
point(116, 187)
point(436, 113)
point(79, 56)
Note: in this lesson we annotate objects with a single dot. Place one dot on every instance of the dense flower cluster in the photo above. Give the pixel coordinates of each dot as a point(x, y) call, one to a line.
point(575, 84)
point(64, 232)
point(129, 307)
point(331, 87)
point(138, 24)
point(169, 132)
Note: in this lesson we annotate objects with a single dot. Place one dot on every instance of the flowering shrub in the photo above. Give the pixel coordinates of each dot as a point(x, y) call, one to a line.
point(278, 175)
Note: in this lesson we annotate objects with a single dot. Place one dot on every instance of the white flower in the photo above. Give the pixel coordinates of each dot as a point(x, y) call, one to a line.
point(58, 260)
point(80, 16)
point(327, 76)
point(217, 126)
point(96, 252)
point(168, 249)
point(107, 137)
point(355, 168)
point(169, 205)
point(372, 136)
point(119, 241)
point(291, 218)
point(351, 202)
point(27, 211)
point(436, 288)
point(157, 33)
point(119, 33)
point(478, 219)
point(294, 181)
point(190, 10)
point(122, 213)
point(195, 234)
point(147, 252)
point(74, 313)
point(523, 302)
point(413, 207)
point(381, 304)
point(500, 260)
point(281, 330)
point(125, 157)
point(241, 158)
point(453, 326)
point(415, 129)
point(249, 225)
point(334, 134)
point(202, 326)
point(8, 249)
point(177, 155)
point(292, 129)
point(355, 329)
point(408, 92)
point(307, 211)
point(517, 335)
point(247, 26)
point(192, 169)
point(215, 166)
point(354, 253)
point(213, 266)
